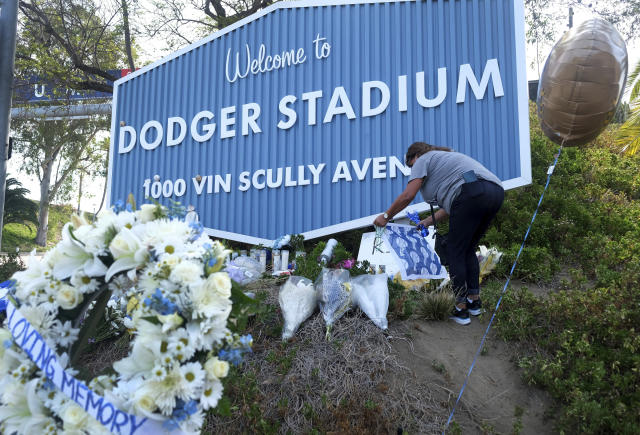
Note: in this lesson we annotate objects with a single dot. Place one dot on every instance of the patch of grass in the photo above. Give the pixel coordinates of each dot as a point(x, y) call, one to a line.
point(517, 425)
point(18, 236)
point(282, 357)
point(454, 428)
point(22, 237)
point(402, 302)
point(438, 366)
point(436, 305)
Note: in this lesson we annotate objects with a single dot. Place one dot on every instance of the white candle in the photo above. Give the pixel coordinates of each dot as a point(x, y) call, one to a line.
point(263, 261)
point(276, 260)
point(285, 259)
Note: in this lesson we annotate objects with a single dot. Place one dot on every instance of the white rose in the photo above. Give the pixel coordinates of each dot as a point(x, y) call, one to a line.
point(143, 401)
point(68, 297)
point(219, 283)
point(207, 302)
point(216, 369)
point(74, 417)
point(186, 272)
point(147, 212)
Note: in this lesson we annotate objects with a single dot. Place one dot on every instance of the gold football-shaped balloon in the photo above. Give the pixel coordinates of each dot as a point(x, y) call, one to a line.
point(582, 83)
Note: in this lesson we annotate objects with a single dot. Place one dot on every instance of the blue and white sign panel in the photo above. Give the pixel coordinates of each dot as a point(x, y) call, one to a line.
point(412, 252)
point(296, 119)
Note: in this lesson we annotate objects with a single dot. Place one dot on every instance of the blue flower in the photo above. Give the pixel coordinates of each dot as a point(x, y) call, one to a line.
point(3, 304)
point(246, 341)
point(191, 407)
point(118, 206)
point(160, 303)
point(414, 217)
point(234, 356)
point(49, 385)
point(180, 413)
point(170, 425)
point(236, 350)
point(197, 230)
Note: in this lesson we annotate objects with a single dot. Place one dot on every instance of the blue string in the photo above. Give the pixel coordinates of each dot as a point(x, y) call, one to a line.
point(504, 289)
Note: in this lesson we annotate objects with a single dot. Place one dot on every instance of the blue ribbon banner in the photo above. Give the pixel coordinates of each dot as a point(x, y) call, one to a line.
point(30, 340)
point(414, 255)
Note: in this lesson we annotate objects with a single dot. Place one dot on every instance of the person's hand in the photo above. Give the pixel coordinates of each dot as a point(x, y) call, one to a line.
point(380, 221)
point(424, 222)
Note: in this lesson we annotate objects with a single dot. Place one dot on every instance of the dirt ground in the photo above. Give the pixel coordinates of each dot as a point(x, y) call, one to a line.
point(495, 399)
point(438, 355)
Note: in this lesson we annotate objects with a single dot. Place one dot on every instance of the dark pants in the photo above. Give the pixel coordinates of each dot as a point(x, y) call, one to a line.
point(471, 213)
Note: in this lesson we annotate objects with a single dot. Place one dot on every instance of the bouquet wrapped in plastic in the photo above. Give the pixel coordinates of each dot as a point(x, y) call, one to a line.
point(487, 259)
point(297, 298)
point(333, 288)
point(244, 270)
point(371, 294)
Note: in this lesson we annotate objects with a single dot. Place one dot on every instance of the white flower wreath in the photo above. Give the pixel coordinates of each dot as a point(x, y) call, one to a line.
point(179, 302)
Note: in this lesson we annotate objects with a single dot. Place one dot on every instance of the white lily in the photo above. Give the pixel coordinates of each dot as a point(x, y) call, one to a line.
point(72, 256)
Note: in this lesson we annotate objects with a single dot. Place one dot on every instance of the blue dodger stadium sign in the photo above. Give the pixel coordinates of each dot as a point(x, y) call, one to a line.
point(296, 119)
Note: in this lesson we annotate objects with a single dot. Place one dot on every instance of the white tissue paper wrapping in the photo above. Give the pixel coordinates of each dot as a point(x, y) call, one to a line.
point(297, 298)
point(371, 294)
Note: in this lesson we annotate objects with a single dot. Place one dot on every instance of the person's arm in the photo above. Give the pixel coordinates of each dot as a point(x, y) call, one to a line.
point(439, 215)
point(403, 200)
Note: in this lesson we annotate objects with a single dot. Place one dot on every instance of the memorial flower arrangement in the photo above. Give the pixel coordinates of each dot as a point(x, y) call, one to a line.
point(178, 312)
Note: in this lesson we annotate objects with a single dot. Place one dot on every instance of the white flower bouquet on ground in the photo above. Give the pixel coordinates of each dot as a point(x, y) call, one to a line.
point(179, 305)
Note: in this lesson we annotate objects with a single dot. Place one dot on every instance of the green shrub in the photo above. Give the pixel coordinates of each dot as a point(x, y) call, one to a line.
point(10, 264)
point(590, 216)
point(586, 354)
point(580, 345)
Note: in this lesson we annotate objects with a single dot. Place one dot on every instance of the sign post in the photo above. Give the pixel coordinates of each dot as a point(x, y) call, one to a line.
point(296, 119)
point(8, 27)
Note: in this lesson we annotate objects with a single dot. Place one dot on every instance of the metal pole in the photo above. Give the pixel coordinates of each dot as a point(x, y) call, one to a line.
point(570, 17)
point(53, 113)
point(8, 27)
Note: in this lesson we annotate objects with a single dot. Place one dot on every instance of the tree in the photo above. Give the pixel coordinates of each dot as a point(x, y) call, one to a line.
point(52, 151)
point(545, 20)
point(629, 133)
point(95, 166)
point(623, 14)
point(75, 43)
point(181, 22)
point(541, 27)
point(18, 208)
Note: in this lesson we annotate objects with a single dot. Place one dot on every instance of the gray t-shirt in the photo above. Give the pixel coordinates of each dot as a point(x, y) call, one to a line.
point(441, 173)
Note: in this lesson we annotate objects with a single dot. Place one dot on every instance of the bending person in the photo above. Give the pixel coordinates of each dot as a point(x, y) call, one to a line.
point(471, 196)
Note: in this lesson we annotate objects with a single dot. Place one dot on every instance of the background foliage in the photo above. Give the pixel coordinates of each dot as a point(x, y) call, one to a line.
point(579, 342)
